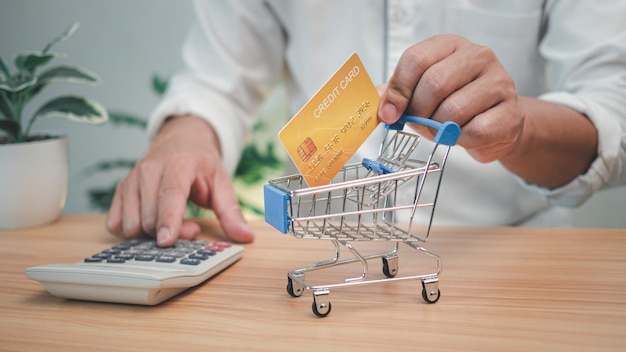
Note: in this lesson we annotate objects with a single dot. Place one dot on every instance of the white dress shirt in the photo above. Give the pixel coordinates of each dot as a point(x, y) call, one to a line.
point(568, 52)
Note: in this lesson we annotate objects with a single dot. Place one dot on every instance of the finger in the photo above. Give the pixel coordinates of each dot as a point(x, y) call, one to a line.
point(226, 207)
point(172, 200)
point(444, 78)
point(412, 64)
point(475, 97)
point(113, 222)
point(189, 230)
point(131, 219)
point(468, 106)
point(149, 176)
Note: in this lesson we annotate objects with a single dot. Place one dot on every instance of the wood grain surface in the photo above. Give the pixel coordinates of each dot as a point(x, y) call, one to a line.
point(502, 289)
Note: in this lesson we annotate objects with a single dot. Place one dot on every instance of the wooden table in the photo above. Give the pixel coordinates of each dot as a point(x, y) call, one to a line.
point(502, 289)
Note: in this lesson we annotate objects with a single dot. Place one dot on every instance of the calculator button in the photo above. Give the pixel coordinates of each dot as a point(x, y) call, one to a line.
point(116, 260)
point(178, 254)
point(207, 252)
point(121, 246)
point(93, 260)
point(166, 259)
point(144, 257)
point(214, 248)
point(190, 261)
point(199, 256)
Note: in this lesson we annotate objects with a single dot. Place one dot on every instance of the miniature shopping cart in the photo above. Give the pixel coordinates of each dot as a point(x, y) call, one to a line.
point(375, 200)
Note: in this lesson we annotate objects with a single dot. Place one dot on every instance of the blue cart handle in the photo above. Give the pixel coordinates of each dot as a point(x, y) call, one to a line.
point(447, 132)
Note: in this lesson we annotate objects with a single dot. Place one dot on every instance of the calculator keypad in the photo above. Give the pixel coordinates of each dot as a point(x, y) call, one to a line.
point(186, 252)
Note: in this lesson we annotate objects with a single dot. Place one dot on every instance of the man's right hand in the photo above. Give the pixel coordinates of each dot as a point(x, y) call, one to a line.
point(183, 163)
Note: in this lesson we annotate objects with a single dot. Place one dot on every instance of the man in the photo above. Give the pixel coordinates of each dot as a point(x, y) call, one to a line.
point(538, 87)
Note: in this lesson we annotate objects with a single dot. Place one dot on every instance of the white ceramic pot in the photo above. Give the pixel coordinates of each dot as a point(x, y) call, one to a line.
point(33, 182)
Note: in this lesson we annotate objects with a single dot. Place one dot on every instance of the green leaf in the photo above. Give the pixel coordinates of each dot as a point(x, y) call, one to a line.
point(4, 69)
point(101, 198)
point(17, 84)
point(259, 126)
point(193, 210)
point(122, 119)
point(108, 166)
point(74, 108)
point(253, 163)
point(5, 105)
point(10, 127)
point(27, 63)
point(251, 207)
point(159, 85)
point(69, 73)
point(68, 32)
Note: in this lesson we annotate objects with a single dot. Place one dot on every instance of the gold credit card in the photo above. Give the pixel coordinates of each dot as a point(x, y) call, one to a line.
point(330, 127)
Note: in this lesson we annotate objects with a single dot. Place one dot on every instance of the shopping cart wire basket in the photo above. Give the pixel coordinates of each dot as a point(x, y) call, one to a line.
point(375, 200)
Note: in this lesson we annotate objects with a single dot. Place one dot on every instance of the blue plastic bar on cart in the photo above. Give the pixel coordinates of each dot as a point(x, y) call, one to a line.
point(376, 166)
point(447, 132)
point(276, 201)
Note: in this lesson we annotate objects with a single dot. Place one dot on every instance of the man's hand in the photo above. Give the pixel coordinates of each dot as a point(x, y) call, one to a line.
point(449, 78)
point(183, 163)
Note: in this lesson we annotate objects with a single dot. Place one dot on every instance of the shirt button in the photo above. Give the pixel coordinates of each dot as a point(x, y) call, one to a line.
point(398, 15)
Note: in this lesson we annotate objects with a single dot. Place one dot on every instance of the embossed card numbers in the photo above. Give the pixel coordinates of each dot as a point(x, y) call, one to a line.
point(330, 127)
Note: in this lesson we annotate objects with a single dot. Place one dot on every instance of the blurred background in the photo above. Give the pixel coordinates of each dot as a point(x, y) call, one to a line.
point(128, 43)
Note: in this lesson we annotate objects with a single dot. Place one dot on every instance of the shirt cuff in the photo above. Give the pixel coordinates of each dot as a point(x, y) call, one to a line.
point(577, 191)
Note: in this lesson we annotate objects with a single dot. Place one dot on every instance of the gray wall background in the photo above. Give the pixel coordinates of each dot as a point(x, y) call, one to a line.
point(126, 42)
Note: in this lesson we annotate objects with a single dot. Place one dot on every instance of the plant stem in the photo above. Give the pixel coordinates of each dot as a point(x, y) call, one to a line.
point(15, 106)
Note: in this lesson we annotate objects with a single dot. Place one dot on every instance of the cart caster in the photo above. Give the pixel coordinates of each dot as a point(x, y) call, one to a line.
point(390, 265)
point(321, 304)
point(294, 289)
point(430, 290)
point(321, 311)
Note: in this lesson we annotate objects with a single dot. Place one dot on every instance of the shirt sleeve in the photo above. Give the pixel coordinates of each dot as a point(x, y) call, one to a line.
point(587, 69)
point(233, 56)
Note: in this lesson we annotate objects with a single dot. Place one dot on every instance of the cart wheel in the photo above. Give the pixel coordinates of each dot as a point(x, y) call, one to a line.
point(431, 297)
point(293, 291)
point(323, 310)
point(390, 265)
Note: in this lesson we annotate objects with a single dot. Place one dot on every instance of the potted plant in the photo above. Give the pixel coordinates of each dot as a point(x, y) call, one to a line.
point(34, 164)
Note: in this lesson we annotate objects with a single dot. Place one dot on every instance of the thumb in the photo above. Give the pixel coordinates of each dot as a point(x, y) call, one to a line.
point(391, 104)
point(387, 109)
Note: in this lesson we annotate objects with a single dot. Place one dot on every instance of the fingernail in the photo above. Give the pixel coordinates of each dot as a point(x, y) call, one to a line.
point(388, 113)
point(163, 235)
point(248, 229)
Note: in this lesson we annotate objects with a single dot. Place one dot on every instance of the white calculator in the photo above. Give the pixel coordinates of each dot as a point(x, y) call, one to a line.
point(137, 271)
